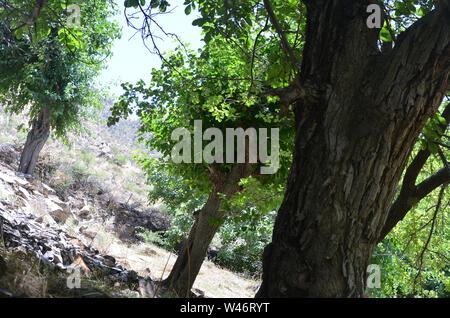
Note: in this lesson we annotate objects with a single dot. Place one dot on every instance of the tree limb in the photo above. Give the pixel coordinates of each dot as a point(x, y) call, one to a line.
point(411, 193)
point(430, 234)
point(287, 48)
point(35, 13)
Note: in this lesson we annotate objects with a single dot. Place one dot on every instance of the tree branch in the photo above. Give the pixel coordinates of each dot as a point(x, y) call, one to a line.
point(441, 177)
point(35, 13)
point(287, 48)
point(410, 193)
point(430, 234)
point(425, 45)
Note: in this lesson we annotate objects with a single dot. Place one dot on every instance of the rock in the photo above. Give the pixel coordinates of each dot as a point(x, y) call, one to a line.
point(7, 178)
point(85, 212)
point(21, 182)
point(46, 219)
point(31, 187)
point(109, 261)
point(56, 200)
point(47, 190)
point(52, 206)
point(59, 214)
point(147, 287)
point(6, 294)
point(33, 230)
point(212, 251)
point(88, 292)
point(24, 193)
point(87, 232)
point(8, 154)
point(198, 293)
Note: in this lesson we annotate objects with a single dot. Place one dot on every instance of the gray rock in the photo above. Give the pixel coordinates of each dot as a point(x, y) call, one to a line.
point(85, 212)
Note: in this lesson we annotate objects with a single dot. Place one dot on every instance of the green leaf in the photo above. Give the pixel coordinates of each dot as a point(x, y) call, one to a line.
point(441, 120)
point(188, 9)
point(198, 22)
point(433, 148)
point(154, 4)
point(131, 3)
point(385, 35)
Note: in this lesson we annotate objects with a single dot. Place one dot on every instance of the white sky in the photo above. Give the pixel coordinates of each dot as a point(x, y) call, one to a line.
point(131, 60)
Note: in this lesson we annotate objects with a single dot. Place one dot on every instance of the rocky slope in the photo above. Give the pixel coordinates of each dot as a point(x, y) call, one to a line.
point(32, 221)
point(67, 234)
point(85, 206)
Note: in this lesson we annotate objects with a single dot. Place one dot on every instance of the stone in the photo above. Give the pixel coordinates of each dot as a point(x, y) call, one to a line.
point(8, 154)
point(56, 200)
point(147, 287)
point(34, 230)
point(21, 182)
point(47, 189)
point(109, 261)
point(87, 232)
point(6, 294)
point(56, 211)
point(7, 178)
point(24, 193)
point(85, 212)
point(46, 219)
point(31, 187)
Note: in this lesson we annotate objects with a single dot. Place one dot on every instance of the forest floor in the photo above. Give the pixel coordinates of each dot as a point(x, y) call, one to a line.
point(97, 178)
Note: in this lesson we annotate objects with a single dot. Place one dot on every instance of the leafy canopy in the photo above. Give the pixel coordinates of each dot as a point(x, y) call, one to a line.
point(51, 63)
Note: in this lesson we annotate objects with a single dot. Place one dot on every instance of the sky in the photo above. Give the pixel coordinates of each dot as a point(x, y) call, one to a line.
point(132, 61)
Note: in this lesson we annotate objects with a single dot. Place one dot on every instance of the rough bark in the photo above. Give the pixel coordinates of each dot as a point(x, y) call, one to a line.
point(354, 134)
point(37, 136)
point(411, 193)
point(191, 257)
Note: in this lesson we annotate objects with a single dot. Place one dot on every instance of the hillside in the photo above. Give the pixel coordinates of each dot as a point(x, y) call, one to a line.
point(86, 206)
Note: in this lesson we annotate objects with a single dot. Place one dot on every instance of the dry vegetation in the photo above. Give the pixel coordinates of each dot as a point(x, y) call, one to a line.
point(98, 165)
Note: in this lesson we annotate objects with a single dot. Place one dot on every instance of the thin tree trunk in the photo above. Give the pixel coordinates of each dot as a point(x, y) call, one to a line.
point(190, 259)
point(355, 131)
point(206, 225)
point(37, 136)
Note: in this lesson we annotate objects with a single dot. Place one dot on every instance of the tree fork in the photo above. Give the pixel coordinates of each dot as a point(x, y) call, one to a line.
point(188, 264)
point(352, 145)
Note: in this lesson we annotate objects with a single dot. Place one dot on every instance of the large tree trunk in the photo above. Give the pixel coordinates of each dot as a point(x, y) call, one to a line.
point(192, 255)
point(37, 136)
point(355, 130)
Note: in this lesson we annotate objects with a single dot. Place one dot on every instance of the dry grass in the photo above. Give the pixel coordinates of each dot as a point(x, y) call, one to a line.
point(24, 276)
point(150, 260)
point(78, 169)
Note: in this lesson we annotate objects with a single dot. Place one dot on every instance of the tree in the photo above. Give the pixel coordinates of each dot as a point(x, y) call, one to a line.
point(48, 63)
point(361, 96)
point(192, 93)
point(380, 103)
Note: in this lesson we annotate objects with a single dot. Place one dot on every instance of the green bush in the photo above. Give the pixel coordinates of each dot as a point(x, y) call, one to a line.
point(150, 237)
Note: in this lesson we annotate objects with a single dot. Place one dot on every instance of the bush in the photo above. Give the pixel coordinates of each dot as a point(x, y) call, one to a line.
point(150, 237)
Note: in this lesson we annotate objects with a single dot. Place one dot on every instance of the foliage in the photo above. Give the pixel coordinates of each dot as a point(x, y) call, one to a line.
point(414, 256)
point(149, 236)
point(193, 90)
point(51, 64)
point(242, 29)
point(246, 229)
point(243, 242)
